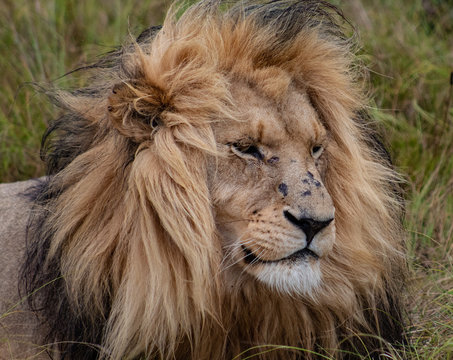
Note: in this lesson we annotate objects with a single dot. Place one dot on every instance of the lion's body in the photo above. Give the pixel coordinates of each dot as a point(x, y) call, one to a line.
point(214, 190)
point(17, 323)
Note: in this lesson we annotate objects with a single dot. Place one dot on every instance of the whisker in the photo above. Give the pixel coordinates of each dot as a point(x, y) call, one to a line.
point(257, 256)
point(230, 250)
point(233, 262)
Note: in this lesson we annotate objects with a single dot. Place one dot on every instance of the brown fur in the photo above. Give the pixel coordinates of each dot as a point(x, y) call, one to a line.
point(139, 218)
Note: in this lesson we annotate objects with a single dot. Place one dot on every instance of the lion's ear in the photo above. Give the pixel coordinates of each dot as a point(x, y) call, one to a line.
point(134, 109)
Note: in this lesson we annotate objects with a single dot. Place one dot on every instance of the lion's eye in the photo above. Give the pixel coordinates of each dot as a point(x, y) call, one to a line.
point(247, 151)
point(316, 151)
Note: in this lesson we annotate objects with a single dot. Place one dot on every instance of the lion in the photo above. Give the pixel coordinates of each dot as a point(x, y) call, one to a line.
point(216, 192)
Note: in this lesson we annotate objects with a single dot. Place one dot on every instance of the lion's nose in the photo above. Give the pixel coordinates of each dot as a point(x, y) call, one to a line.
point(309, 226)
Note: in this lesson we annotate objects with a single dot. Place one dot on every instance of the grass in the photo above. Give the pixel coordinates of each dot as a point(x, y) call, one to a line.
point(407, 46)
point(42, 40)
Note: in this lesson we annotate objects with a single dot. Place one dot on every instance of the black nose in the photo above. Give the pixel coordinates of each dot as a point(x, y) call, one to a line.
point(309, 226)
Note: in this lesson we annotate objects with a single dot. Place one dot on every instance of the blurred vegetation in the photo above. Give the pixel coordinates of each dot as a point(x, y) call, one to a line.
point(406, 45)
point(408, 48)
point(41, 40)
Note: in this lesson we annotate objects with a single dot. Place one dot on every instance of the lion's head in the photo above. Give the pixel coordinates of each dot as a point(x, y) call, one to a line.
point(216, 188)
point(272, 207)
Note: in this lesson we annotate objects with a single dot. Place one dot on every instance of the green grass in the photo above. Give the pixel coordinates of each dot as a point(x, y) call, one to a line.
point(42, 40)
point(407, 46)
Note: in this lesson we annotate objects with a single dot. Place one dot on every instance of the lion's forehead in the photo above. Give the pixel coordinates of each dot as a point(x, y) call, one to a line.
point(271, 121)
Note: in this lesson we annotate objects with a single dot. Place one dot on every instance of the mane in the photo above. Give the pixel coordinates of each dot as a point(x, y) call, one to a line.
point(123, 255)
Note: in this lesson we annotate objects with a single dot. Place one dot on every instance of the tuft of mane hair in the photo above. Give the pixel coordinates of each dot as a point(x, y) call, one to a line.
point(124, 258)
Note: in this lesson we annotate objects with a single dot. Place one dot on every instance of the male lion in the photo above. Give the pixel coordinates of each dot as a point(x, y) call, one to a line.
point(213, 194)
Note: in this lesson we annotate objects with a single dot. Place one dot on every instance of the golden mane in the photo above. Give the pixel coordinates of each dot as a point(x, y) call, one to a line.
point(126, 234)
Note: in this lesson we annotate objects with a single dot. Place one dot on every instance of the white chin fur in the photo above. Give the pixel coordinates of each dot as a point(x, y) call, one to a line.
point(301, 278)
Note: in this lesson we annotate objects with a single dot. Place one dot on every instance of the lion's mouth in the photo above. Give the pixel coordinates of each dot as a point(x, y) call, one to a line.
point(251, 258)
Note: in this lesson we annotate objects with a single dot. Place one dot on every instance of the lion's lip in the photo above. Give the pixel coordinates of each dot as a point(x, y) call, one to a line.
point(251, 258)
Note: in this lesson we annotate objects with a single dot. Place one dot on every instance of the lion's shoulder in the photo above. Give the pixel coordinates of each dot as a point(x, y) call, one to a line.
point(15, 205)
point(16, 321)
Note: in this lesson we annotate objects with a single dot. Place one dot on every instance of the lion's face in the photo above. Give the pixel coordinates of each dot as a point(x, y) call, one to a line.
point(274, 214)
